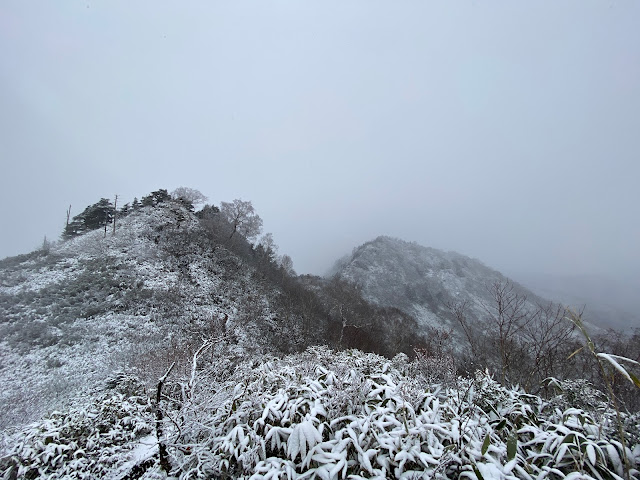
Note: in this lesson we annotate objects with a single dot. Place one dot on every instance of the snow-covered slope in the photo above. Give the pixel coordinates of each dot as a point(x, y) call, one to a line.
point(137, 299)
point(423, 281)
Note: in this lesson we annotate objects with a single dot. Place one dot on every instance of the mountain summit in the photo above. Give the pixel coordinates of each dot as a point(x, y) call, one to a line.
point(139, 297)
point(424, 282)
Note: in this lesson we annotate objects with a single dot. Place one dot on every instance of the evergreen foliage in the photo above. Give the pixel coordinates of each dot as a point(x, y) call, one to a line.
point(155, 198)
point(95, 216)
point(125, 210)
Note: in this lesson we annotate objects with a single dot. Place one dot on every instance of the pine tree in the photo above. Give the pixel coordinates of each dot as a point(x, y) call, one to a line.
point(125, 210)
point(155, 198)
point(95, 216)
point(99, 214)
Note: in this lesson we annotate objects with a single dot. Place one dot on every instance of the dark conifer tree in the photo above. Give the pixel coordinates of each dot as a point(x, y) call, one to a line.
point(95, 216)
point(124, 211)
point(98, 215)
point(155, 198)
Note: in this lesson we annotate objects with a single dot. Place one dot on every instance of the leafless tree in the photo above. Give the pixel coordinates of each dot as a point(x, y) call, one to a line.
point(268, 245)
point(162, 447)
point(547, 336)
point(500, 347)
point(242, 218)
point(508, 315)
point(459, 311)
point(191, 195)
point(115, 214)
point(286, 264)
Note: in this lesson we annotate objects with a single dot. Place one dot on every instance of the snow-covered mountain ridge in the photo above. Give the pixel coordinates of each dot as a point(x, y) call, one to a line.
point(424, 282)
point(72, 315)
point(146, 294)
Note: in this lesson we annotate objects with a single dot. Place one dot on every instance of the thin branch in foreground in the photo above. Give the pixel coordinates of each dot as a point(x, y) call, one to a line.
point(162, 448)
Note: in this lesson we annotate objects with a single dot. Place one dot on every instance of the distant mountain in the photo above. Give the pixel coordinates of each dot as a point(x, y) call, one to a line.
point(472, 314)
point(424, 282)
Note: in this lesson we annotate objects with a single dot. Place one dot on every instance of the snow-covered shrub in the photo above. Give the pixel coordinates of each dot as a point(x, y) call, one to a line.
point(338, 415)
point(400, 362)
point(82, 443)
point(578, 393)
point(438, 368)
point(327, 415)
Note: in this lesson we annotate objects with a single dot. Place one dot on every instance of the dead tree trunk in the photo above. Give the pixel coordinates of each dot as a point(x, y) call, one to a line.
point(162, 448)
point(115, 214)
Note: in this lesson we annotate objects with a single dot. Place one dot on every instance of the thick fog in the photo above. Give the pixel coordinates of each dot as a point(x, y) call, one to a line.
point(507, 131)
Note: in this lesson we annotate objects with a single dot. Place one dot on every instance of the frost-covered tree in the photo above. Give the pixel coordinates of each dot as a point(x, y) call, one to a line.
point(125, 210)
point(242, 217)
point(286, 264)
point(99, 214)
point(508, 317)
point(190, 195)
point(267, 246)
point(208, 211)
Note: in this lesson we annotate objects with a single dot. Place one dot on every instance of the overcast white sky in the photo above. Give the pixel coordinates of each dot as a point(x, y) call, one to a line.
point(508, 131)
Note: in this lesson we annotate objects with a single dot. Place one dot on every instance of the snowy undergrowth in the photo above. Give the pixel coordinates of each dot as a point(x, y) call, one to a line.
point(353, 415)
point(331, 415)
point(86, 442)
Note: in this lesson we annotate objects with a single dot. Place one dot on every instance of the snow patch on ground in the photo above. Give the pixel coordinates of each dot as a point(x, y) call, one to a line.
point(143, 449)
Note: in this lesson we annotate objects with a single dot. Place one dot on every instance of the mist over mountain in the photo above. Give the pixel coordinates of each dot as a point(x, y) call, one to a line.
point(175, 338)
point(606, 301)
